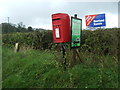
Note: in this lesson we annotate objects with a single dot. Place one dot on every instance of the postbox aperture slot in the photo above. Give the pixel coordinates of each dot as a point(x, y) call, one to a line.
point(56, 19)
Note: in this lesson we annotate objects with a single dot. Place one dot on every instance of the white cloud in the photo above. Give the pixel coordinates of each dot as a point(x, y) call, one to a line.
point(111, 20)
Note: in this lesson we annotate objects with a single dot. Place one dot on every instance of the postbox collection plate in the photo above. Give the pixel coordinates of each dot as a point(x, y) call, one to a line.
point(57, 32)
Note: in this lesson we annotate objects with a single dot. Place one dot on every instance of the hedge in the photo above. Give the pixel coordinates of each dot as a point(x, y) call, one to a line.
point(100, 41)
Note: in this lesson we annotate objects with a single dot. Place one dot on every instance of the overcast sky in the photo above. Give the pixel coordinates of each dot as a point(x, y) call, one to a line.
point(37, 13)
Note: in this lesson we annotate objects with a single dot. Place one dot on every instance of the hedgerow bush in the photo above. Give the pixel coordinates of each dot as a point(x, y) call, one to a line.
point(100, 41)
point(35, 40)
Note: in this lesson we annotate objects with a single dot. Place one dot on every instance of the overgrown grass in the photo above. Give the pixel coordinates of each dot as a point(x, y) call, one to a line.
point(38, 69)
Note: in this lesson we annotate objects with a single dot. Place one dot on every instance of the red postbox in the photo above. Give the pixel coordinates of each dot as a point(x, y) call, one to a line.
point(61, 27)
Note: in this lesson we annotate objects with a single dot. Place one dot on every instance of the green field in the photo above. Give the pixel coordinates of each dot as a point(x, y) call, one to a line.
point(40, 69)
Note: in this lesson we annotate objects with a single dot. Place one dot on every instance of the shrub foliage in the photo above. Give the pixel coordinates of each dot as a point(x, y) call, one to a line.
point(101, 41)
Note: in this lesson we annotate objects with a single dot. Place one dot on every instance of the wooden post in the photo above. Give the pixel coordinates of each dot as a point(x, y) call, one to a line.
point(16, 47)
point(74, 56)
point(78, 54)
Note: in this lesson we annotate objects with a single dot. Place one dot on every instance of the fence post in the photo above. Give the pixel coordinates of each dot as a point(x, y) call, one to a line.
point(16, 47)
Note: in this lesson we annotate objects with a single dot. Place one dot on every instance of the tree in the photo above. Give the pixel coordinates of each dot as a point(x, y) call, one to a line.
point(8, 28)
point(30, 28)
point(21, 27)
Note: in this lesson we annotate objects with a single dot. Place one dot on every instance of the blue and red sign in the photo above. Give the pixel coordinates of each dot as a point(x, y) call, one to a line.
point(97, 20)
